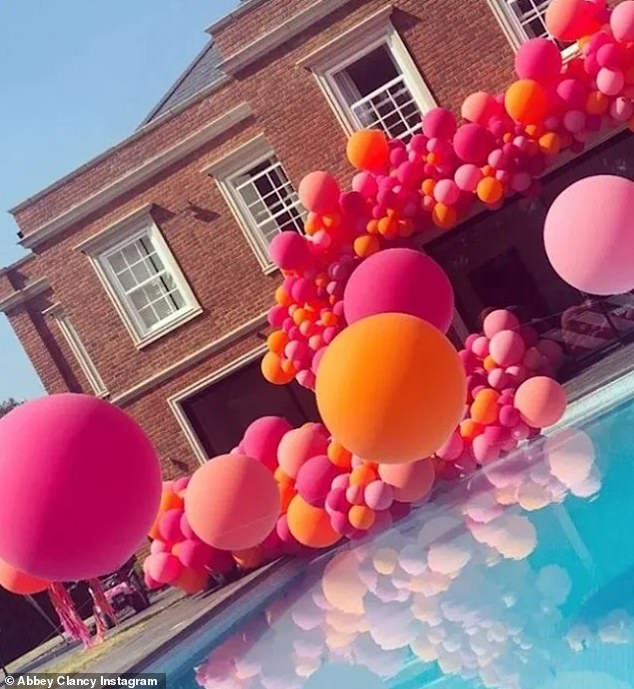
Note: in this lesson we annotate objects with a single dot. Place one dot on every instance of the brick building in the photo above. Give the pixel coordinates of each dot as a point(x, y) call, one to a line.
point(148, 278)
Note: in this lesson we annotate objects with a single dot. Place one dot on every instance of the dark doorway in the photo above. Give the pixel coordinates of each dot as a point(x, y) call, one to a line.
point(220, 412)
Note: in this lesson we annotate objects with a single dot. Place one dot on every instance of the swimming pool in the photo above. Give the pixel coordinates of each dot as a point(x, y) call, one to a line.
point(520, 578)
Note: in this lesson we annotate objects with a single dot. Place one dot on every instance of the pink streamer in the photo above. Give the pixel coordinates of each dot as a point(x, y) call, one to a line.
point(71, 621)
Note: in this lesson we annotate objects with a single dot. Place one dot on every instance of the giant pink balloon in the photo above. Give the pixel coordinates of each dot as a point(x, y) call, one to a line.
point(593, 215)
point(262, 438)
point(541, 401)
point(400, 281)
point(81, 487)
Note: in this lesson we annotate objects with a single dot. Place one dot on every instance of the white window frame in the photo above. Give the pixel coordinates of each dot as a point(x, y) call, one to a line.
point(515, 33)
point(225, 171)
point(79, 351)
point(112, 239)
point(368, 35)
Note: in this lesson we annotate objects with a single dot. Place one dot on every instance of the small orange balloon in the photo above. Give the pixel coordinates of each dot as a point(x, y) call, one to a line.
point(470, 429)
point(405, 228)
point(484, 409)
point(313, 224)
point(287, 493)
point(280, 475)
point(249, 559)
point(362, 475)
point(489, 363)
point(445, 217)
point(550, 143)
point(361, 517)
point(276, 341)
point(391, 388)
point(192, 581)
point(18, 582)
point(388, 227)
point(366, 245)
point(299, 316)
point(526, 101)
point(310, 525)
point(372, 226)
point(368, 149)
point(597, 103)
point(275, 370)
point(170, 501)
point(339, 456)
point(490, 190)
point(533, 130)
point(282, 297)
point(328, 318)
point(428, 186)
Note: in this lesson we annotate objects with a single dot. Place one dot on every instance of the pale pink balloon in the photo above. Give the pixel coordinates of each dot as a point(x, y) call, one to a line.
point(479, 107)
point(498, 379)
point(518, 374)
point(354, 495)
point(341, 481)
point(306, 378)
point(452, 449)
point(400, 281)
point(262, 437)
point(297, 446)
point(81, 487)
point(507, 347)
point(411, 482)
point(601, 262)
point(159, 547)
point(319, 192)
point(500, 319)
point(446, 191)
point(621, 109)
point(610, 82)
point(483, 451)
point(622, 21)
point(480, 347)
point(541, 401)
point(521, 181)
point(163, 567)
point(379, 495)
point(467, 177)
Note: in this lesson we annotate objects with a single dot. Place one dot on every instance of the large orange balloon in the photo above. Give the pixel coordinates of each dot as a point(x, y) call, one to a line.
point(18, 582)
point(310, 525)
point(368, 149)
point(232, 502)
point(526, 101)
point(391, 388)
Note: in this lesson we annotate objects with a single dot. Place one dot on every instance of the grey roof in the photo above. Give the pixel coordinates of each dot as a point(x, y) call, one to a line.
point(202, 72)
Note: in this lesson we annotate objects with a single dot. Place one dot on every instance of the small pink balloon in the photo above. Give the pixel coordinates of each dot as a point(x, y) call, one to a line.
point(621, 109)
point(446, 191)
point(496, 435)
point(290, 544)
point(552, 351)
point(622, 21)
point(473, 143)
point(498, 320)
point(319, 192)
point(321, 240)
point(520, 181)
point(509, 416)
point(483, 451)
point(186, 529)
point(277, 315)
point(507, 347)
point(193, 553)
point(159, 547)
point(300, 444)
point(538, 59)
point(575, 121)
point(163, 567)
point(610, 82)
point(452, 449)
point(379, 495)
point(467, 177)
point(480, 107)
point(317, 358)
point(169, 526)
point(532, 359)
point(354, 495)
point(314, 479)
point(341, 481)
point(306, 378)
point(290, 251)
point(365, 183)
point(541, 402)
point(329, 335)
point(440, 123)
point(480, 347)
point(609, 56)
point(498, 379)
point(573, 93)
point(262, 437)
point(336, 501)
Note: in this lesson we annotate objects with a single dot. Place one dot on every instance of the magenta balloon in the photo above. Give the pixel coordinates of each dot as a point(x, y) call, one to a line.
point(319, 192)
point(316, 359)
point(573, 93)
point(452, 449)
point(379, 495)
point(622, 21)
point(180, 484)
point(595, 216)
point(538, 59)
point(150, 583)
point(498, 320)
point(169, 526)
point(400, 281)
point(340, 523)
point(440, 123)
point(473, 143)
point(290, 544)
point(220, 561)
point(509, 416)
point(83, 486)
point(194, 553)
point(262, 438)
point(315, 478)
point(336, 500)
point(507, 348)
point(163, 567)
point(609, 56)
point(290, 251)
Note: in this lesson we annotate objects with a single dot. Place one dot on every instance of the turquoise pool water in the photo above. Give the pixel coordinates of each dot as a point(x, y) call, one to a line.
point(520, 578)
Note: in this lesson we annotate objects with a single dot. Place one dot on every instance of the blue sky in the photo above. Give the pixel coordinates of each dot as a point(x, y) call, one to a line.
point(76, 77)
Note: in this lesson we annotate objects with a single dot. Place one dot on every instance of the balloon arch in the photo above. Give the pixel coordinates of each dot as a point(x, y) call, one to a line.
point(360, 318)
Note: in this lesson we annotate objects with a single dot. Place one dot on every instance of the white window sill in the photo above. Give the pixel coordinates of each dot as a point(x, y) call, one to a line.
point(170, 326)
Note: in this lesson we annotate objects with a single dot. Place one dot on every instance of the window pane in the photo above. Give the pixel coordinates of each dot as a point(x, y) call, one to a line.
point(126, 279)
point(530, 17)
point(372, 71)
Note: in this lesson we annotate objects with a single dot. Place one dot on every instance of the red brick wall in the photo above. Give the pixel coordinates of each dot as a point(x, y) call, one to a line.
point(210, 248)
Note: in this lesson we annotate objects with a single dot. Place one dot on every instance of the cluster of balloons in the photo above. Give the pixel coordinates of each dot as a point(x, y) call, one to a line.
point(511, 393)
point(502, 145)
point(177, 556)
point(450, 589)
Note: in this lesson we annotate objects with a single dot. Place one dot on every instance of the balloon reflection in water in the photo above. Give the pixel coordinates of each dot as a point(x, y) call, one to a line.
point(450, 586)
